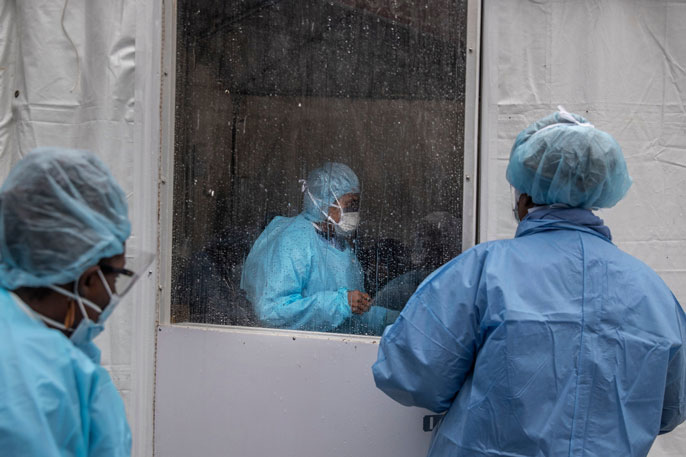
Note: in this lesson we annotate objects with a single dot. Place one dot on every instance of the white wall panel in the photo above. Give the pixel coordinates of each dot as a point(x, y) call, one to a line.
point(622, 64)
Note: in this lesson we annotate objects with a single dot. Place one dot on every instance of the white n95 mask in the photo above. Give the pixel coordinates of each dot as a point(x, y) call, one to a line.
point(348, 222)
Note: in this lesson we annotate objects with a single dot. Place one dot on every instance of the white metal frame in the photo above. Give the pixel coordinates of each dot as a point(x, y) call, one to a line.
point(146, 156)
point(470, 215)
point(166, 187)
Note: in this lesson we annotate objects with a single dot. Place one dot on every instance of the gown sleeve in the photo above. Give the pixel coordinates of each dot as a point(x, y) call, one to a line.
point(109, 433)
point(674, 406)
point(426, 355)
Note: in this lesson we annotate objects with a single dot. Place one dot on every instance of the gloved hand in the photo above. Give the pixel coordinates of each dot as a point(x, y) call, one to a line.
point(359, 302)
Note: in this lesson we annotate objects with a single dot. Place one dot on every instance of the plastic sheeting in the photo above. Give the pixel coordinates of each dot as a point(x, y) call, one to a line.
point(622, 65)
point(71, 71)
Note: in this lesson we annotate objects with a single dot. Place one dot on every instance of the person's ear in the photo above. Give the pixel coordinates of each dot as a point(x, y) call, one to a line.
point(88, 281)
point(525, 202)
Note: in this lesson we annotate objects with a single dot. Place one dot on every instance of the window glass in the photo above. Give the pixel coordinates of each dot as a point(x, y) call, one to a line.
point(361, 99)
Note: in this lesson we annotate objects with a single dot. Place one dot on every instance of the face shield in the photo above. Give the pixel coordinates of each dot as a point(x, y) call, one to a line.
point(137, 262)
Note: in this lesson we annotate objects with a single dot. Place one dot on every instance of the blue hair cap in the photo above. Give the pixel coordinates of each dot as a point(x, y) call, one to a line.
point(562, 158)
point(325, 185)
point(61, 212)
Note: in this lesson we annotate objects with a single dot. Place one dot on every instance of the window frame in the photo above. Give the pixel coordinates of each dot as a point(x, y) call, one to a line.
point(167, 149)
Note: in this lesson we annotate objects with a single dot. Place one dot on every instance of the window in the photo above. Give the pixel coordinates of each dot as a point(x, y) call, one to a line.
point(267, 92)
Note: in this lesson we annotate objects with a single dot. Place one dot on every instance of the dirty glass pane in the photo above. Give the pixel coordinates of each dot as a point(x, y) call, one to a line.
point(267, 92)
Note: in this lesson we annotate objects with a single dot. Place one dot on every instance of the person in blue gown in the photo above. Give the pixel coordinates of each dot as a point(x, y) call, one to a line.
point(552, 343)
point(302, 272)
point(436, 242)
point(63, 224)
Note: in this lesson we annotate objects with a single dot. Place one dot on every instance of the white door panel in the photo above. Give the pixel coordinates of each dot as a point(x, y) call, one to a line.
point(248, 392)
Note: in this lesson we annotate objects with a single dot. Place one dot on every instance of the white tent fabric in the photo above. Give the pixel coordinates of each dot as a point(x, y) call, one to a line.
point(8, 70)
point(621, 64)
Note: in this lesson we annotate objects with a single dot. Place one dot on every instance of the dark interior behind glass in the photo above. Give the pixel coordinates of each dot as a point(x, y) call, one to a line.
point(269, 90)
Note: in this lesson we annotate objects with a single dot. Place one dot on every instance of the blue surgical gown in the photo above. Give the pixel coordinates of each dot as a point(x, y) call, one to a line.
point(296, 279)
point(554, 343)
point(54, 401)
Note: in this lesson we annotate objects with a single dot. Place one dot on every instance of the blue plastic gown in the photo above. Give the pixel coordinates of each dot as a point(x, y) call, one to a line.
point(554, 343)
point(298, 280)
point(54, 401)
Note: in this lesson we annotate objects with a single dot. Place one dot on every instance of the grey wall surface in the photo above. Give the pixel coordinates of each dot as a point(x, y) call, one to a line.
point(247, 392)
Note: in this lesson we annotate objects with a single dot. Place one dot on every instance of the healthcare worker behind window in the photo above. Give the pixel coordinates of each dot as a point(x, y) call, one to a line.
point(555, 342)
point(435, 243)
point(302, 272)
point(63, 224)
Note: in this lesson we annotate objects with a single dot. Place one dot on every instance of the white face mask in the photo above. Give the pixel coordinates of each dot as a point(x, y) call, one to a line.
point(348, 223)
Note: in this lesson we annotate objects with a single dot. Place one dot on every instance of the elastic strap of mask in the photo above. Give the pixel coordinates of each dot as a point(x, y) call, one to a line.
point(104, 283)
point(80, 300)
point(45, 319)
point(54, 323)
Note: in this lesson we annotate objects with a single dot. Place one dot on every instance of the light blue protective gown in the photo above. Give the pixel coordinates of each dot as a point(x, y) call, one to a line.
point(555, 343)
point(298, 280)
point(54, 401)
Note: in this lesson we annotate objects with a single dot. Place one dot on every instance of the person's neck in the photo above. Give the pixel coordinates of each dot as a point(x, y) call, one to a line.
point(326, 229)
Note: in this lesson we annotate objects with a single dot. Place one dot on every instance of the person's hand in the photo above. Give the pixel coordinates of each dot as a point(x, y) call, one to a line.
point(359, 301)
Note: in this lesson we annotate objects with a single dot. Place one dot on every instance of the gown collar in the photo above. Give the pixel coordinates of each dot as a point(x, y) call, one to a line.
point(547, 218)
